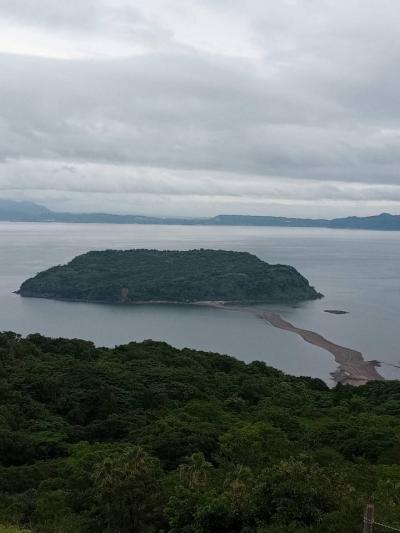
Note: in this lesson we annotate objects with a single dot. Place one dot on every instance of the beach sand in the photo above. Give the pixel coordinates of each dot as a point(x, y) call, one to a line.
point(353, 369)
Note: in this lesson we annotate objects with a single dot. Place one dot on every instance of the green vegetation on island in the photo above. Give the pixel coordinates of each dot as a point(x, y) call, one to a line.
point(149, 438)
point(133, 276)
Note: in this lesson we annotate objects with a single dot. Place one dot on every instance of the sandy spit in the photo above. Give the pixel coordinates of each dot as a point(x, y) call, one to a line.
point(353, 369)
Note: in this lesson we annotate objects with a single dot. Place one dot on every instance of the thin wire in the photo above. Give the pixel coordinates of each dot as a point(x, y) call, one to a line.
point(384, 525)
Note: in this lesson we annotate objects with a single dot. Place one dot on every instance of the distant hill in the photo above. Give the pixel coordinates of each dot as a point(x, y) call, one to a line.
point(385, 221)
point(23, 211)
point(31, 212)
point(137, 276)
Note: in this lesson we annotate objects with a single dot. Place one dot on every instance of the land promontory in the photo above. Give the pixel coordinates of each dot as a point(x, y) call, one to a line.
point(139, 275)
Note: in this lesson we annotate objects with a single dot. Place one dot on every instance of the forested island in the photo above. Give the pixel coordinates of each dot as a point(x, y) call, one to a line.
point(139, 276)
point(149, 438)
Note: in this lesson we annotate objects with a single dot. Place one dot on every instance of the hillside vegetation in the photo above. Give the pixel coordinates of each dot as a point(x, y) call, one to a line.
point(148, 438)
point(169, 276)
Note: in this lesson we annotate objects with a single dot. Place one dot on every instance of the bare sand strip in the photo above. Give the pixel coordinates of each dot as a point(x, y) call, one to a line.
point(353, 370)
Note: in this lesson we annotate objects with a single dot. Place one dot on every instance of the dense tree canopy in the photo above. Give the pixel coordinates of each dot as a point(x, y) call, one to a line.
point(169, 276)
point(149, 438)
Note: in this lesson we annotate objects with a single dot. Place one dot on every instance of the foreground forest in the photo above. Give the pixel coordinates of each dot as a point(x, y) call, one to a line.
point(130, 276)
point(148, 438)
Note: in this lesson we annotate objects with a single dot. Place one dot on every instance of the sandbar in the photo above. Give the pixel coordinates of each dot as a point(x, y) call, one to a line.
point(353, 369)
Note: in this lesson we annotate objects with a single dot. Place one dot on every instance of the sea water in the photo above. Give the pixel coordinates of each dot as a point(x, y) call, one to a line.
point(357, 271)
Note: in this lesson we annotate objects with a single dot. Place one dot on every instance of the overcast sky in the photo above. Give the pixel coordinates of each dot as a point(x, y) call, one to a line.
point(200, 107)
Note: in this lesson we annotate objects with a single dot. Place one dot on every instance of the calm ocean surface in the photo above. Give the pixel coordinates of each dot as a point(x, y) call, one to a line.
point(357, 271)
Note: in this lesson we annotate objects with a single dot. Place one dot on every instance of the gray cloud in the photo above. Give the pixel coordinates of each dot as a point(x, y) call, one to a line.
point(313, 102)
point(75, 13)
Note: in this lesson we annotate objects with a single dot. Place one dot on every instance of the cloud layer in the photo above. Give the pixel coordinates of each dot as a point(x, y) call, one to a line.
point(197, 107)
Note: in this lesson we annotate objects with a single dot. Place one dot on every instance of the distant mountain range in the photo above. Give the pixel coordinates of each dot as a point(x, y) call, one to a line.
point(13, 211)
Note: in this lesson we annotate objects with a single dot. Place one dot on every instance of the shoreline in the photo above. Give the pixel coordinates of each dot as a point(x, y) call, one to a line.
point(198, 223)
point(352, 368)
point(219, 304)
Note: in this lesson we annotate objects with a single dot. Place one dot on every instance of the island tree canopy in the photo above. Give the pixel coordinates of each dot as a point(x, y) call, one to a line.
point(170, 276)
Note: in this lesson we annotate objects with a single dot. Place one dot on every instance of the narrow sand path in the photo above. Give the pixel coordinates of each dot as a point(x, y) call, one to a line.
point(353, 369)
